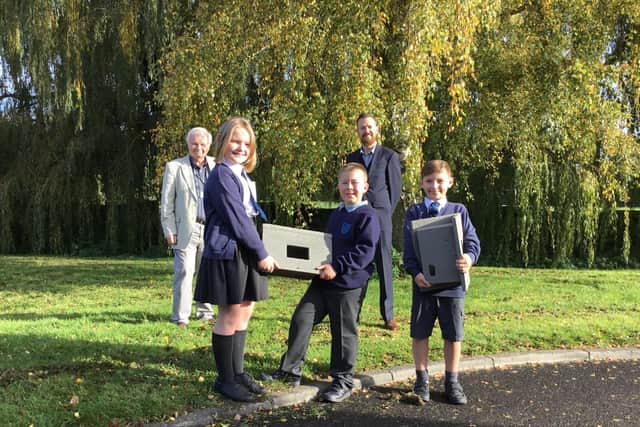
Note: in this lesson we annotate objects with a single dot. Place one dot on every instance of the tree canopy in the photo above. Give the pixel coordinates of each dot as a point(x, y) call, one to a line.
point(554, 130)
point(78, 80)
point(534, 104)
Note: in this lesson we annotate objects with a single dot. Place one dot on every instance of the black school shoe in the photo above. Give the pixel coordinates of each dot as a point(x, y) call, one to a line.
point(336, 393)
point(285, 377)
point(455, 394)
point(247, 380)
point(233, 391)
point(421, 389)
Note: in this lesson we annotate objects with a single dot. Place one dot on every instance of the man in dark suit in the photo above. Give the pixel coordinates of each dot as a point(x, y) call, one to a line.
point(385, 189)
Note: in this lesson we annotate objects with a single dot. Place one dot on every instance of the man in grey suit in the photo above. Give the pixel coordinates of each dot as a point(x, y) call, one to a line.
point(385, 189)
point(182, 217)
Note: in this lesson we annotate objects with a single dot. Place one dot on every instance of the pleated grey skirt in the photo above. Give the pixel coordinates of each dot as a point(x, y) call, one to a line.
point(222, 282)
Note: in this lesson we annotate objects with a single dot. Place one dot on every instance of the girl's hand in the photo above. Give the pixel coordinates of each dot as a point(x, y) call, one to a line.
point(267, 265)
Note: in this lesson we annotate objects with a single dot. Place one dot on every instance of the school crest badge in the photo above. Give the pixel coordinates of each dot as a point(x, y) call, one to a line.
point(345, 227)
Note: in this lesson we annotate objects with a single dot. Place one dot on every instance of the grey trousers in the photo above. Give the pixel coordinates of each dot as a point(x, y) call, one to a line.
point(343, 307)
point(186, 263)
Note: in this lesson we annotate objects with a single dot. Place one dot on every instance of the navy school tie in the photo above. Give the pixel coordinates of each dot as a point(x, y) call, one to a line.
point(258, 209)
point(253, 200)
point(434, 207)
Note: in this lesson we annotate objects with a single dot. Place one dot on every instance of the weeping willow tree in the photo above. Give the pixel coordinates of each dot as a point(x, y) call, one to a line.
point(76, 106)
point(303, 71)
point(535, 103)
point(549, 142)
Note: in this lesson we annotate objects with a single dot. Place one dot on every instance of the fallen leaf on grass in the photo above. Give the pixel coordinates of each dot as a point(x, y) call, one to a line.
point(390, 396)
point(412, 399)
point(74, 400)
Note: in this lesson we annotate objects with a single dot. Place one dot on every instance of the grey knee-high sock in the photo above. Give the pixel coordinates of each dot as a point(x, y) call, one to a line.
point(222, 346)
point(239, 341)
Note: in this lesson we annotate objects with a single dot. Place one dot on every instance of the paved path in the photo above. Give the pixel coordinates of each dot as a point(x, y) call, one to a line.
point(559, 388)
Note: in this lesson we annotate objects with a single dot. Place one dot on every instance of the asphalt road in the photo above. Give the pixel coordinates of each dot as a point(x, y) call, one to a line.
point(598, 393)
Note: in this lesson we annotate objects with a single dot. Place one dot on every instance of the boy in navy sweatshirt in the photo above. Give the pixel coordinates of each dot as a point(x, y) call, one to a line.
point(446, 305)
point(355, 230)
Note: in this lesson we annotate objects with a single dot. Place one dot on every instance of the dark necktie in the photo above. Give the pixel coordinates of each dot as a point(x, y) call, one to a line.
point(253, 200)
point(258, 209)
point(367, 157)
point(433, 209)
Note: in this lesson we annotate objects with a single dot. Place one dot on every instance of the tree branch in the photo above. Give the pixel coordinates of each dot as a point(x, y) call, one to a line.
point(518, 10)
point(4, 96)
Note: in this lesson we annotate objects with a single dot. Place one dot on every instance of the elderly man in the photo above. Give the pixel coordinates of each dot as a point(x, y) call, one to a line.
point(182, 217)
point(385, 189)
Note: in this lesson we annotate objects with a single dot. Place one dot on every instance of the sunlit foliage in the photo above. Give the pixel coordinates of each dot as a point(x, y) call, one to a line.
point(549, 147)
point(534, 103)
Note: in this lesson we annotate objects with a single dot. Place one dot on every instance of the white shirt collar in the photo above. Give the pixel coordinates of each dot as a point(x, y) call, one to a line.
point(235, 168)
point(428, 201)
point(373, 149)
point(352, 208)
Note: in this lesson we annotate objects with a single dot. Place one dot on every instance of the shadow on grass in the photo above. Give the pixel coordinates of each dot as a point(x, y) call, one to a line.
point(23, 275)
point(24, 353)
point(134, 382)
point(128, 317)
point(33, 351)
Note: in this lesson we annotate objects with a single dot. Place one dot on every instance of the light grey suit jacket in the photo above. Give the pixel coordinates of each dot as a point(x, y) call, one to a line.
point(179, 201)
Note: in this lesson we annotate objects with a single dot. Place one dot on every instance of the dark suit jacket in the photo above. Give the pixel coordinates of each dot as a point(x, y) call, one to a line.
point(385, 178)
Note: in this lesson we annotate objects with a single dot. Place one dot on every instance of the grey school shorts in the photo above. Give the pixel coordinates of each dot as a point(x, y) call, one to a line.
point(426, 308)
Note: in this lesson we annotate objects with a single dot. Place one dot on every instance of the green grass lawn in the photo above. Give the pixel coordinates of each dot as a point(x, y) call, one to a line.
point(88, 341)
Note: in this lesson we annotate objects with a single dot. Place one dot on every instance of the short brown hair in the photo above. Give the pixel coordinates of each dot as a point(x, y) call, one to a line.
point(354, 166)
point(366, 115)
point(224, 136)
point(436, 166)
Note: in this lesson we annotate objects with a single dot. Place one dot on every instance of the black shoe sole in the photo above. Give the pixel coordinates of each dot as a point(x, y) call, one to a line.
point(235, 392)
point(336, 399)
point(422, 398)
point(250, 384)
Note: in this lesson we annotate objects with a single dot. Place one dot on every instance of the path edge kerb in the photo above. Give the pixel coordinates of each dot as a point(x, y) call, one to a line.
point(307, 392)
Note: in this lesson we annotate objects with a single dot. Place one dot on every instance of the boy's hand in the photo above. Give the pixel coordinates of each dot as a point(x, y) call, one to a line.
point(267, 265)
point(421, 281)
point(327, 272)
point(464, 263)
